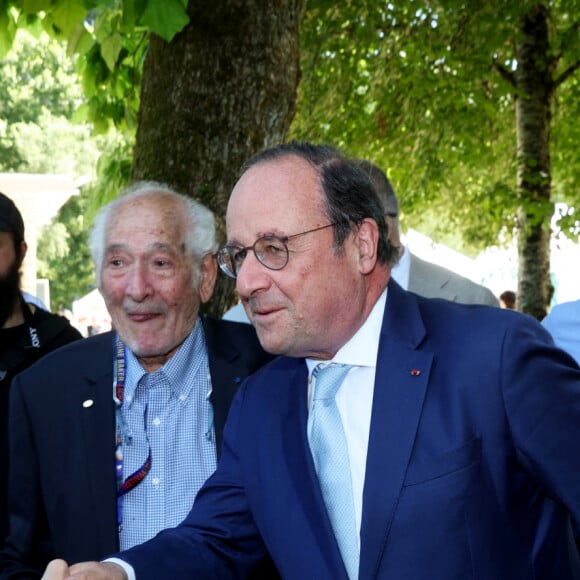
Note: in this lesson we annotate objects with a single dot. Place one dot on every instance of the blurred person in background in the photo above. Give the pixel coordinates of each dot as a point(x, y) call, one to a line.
point(507, 299)
point(27, 332)
point(413, 273)
point(563, 323)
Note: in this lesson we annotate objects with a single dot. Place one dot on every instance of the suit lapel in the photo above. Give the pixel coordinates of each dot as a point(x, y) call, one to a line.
point(94, 401)
point(226, 371)
point(400, 386)
point(302, 475)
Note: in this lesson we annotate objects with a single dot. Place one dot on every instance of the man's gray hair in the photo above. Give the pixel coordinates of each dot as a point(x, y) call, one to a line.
point(200, 231)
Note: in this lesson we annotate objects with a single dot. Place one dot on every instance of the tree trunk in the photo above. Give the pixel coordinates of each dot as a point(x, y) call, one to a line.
point(534, 85)
point(220, 91)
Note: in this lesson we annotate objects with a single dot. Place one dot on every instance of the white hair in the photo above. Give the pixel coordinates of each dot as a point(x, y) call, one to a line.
point(200, 231)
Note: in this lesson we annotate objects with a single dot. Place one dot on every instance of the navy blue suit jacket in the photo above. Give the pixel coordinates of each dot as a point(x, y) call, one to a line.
point(63, 489)
point(473, 467)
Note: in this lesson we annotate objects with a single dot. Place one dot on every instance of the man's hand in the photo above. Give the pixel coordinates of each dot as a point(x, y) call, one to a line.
point(60, 570)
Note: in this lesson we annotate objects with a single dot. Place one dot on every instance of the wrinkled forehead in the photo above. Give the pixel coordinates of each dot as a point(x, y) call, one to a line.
point(155, 219)
point(275, 196)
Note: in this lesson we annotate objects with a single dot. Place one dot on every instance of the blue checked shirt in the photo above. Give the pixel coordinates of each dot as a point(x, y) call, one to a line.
point(171, 408)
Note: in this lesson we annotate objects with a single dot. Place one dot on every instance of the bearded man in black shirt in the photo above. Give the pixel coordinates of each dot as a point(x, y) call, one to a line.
point(26, 332)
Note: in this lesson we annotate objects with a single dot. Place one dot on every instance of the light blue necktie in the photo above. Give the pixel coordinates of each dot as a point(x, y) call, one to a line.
point(330, 452)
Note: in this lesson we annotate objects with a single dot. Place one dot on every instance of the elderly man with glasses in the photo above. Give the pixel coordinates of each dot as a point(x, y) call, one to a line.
point(396, 436)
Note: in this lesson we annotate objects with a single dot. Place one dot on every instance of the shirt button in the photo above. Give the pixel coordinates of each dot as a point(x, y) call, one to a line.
point(155, 481)
point(157, 421)
point(182, 397)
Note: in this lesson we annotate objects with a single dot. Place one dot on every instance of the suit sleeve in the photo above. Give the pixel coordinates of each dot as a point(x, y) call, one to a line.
point(541, 389)
point(27, 548)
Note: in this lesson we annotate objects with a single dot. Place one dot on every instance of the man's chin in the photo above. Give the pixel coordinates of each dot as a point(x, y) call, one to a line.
point(270, 341)
point(153, 351)
point(145, 349)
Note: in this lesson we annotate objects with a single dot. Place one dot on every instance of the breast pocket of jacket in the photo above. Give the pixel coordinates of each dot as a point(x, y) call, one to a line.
point(424, 468)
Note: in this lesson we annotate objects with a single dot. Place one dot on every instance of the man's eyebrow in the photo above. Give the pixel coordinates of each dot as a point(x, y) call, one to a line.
point(114, 248)
point(266, 234)
point(155, 247)
point(164, 246)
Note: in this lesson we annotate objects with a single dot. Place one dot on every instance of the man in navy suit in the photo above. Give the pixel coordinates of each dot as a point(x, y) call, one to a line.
point(461, 421)
point(71, 430)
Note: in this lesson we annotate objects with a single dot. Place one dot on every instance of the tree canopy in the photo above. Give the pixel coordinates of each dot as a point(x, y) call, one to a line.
point(222, 89)
point(429, 91)
point(414, 86)
point(108, 41)
point(433, 92)
point(63, 253)
point(39, 96)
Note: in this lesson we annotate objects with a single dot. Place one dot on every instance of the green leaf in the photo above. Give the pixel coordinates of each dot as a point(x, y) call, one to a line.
point(31, 22)
point(110, 50)
point(82, 114)
point(35, 6)
point(80, 41)
point(66, 16)
point(7, 32)
point(102, 26)
point(129, 15)
point(131, 117)
point(165, 17)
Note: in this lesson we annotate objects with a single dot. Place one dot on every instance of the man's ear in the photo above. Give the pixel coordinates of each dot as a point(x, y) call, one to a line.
point(367, 243)
point(208, 274)
point(23, 248)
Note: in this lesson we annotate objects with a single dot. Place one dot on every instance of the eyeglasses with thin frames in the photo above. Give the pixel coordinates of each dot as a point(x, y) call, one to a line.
point(271, 251)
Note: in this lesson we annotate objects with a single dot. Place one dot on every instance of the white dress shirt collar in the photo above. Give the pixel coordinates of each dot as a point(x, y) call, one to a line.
point(362, 349)
point(401, 271)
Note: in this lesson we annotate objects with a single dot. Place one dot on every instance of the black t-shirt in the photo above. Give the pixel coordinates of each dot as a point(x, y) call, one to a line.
point(21, 346)
point(16, 351)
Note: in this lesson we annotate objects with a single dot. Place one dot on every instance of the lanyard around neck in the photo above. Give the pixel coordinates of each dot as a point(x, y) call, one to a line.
point(124, 436)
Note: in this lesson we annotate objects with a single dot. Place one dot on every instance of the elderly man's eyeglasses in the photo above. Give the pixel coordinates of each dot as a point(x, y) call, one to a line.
point(271, 251)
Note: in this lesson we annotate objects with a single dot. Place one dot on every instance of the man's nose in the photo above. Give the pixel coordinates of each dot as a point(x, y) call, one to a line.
point(252, 276)
point(138, 285)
